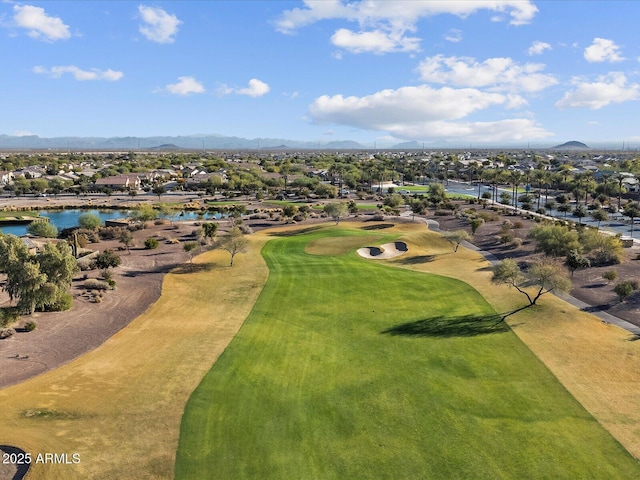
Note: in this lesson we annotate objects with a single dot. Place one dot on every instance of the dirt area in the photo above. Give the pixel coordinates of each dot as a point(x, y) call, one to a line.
point(62, 336)
point(588, 284)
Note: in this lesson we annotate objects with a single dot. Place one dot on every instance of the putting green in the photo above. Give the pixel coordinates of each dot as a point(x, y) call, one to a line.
point(348, 368)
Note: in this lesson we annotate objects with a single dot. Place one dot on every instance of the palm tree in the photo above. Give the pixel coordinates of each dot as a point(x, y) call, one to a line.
point(514, 178)
point(632, 210)
point(539, 177)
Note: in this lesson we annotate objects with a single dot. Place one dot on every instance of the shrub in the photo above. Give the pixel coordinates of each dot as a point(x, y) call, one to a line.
point(94, 284)
point(610, 275)
point(43, 229)
point(516, 242)
point(89, 221)
point(623, 290)
point(151, 243)
point(30, 326)
point(6, 332)
point(62, 303)
point(8, 315)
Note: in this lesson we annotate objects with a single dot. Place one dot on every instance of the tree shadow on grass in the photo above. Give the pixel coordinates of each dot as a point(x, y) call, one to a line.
point(186, 268)
point(417, 259)
point(293, 233)
point(448, 327)
point(380, 226)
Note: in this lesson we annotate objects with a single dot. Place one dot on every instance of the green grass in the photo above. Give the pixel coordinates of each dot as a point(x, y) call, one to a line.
point(352, 369)
point(15, 214)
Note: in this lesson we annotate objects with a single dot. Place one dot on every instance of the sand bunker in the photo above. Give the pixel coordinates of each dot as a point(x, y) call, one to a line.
point(388, 250)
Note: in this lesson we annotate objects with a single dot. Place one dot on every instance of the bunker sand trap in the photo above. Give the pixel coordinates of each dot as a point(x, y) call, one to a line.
point(388, 250)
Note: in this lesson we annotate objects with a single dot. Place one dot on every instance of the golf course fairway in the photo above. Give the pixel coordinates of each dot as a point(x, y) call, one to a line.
point(349, 368)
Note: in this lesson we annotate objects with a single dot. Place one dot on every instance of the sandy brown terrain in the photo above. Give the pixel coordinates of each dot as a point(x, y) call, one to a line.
point(63, 336)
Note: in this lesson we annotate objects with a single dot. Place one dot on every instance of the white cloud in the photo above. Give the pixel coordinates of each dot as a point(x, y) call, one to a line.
point(538, 47)
point(384, 24)
point(608, 89)
point(516, 129)
point(454, 35)
point(256, 88)
point(376, 41)
point(158, 26)
point(79, 74)
point(405, 13)
point(39, 24)
point(422, 112)
point(184, 86)
point(499, 74)
point(602, 50)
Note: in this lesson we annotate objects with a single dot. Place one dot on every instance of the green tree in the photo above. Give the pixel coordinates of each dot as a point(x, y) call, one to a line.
point(90, 221)
point(554, 240)
point(599, 215)
point(326, 191)
point(209, 230)
point(37, 282)
point(475, 223)
point(603, 249)
point(418, 207)
point(575, 261)
point(456, 237)
point(632, 210)
point(336, 211)
point(159, 190)
point(289, 211)
point(25, 284)
point(126, 238)
point(394, 200)
point(144, 213)
point(545, 275)
point(106, 260)
point(190, 247)
point(580, 211)
point(58, 264)
point(436, 194)
point(42, 229)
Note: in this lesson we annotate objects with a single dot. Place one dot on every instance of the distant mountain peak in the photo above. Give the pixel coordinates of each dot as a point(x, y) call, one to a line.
point(572, 145)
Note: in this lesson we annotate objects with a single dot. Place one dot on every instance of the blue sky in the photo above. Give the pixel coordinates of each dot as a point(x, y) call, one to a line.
point(446, 72)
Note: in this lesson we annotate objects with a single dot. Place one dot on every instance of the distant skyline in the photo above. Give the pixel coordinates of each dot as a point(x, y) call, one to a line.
point(453, 73)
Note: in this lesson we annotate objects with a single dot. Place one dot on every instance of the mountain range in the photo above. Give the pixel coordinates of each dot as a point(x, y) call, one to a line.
point(221, 142)
point(195, 142)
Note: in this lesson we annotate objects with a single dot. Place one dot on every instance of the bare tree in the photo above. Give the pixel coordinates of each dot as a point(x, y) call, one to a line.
point(233, 242)
point(546, 275)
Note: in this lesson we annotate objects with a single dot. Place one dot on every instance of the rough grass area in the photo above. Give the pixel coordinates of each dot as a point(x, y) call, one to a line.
point(348, 368)
point(119, 406)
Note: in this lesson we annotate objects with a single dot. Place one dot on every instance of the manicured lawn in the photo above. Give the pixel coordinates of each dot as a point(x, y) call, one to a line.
point(14, 214)
point(350, 368)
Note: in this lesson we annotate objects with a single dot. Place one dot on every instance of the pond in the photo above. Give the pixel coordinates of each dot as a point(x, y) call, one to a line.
point(69, 218)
